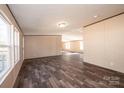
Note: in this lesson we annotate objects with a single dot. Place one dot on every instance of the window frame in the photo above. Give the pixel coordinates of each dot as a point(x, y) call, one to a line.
point(16, 45)
point(5, 19)
point(67, 45)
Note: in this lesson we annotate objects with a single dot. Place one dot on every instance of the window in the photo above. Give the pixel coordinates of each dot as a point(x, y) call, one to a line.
point(9, 46)
point(16, 45)
point(67, 45)
point(81, 45)
point(5, 46)
point(23, 47)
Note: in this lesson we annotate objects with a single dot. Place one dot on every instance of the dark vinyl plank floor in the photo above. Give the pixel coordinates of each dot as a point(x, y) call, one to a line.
point(66, 71)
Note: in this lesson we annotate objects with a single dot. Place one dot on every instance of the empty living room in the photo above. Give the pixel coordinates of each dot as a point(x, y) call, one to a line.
point(61, 46)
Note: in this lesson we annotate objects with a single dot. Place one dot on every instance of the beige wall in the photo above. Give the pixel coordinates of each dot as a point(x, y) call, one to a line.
point(103, 43)
point(41, 46)
point(11, 76)
point(74, 46)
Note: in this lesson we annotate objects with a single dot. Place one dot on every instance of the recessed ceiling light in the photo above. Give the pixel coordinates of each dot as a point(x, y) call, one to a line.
point(95, 16)
point(62, 24)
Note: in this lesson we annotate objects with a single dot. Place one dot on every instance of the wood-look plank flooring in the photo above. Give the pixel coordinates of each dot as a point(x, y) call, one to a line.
point(66, 71)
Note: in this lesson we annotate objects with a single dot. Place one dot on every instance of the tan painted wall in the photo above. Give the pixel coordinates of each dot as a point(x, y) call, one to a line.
point(11, 77)
point(41, 46)
point(103, 43)
point(74, 46)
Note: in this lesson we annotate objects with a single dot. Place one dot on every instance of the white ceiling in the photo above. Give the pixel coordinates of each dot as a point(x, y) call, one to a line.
point(42, 19)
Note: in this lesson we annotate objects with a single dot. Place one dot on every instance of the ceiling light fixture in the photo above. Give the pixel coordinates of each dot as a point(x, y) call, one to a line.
point(95, 16)
point(62, 24)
